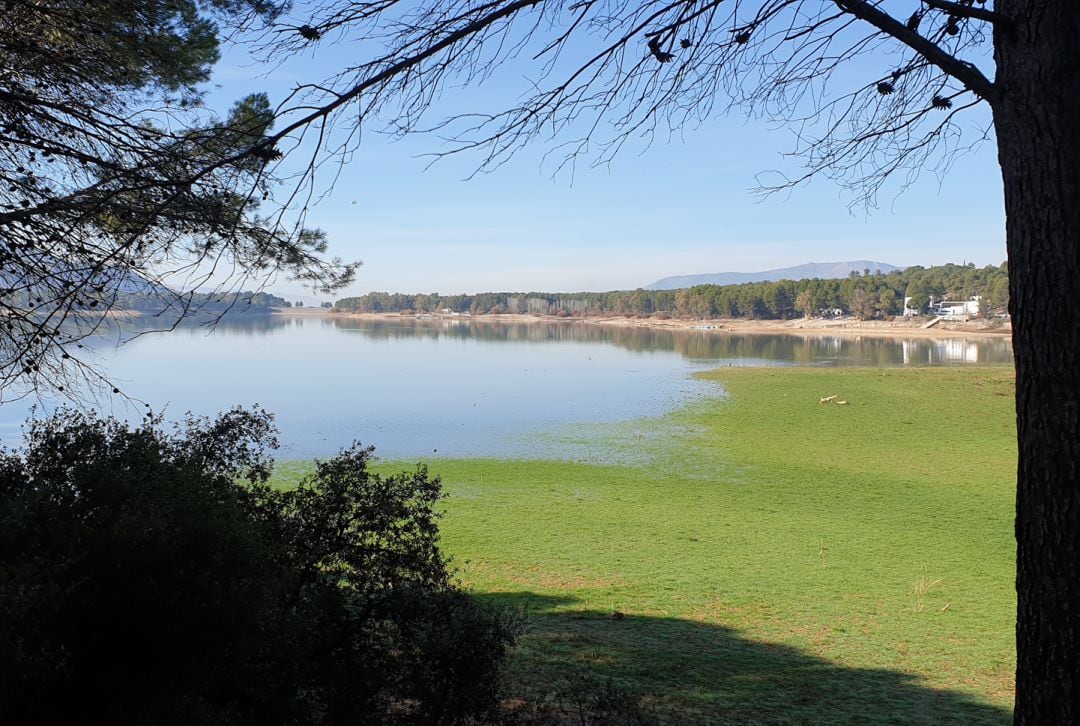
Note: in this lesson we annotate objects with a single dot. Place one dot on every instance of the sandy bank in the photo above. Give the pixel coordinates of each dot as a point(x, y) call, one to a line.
point(311, 312)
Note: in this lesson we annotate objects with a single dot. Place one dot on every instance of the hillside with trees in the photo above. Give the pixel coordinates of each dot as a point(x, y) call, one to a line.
point(206, 303)
point(866, 296)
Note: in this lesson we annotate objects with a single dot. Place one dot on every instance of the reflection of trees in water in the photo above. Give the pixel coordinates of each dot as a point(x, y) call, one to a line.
point(698, 345)
point(236, 323)
point(253, 323)
point(691, 344)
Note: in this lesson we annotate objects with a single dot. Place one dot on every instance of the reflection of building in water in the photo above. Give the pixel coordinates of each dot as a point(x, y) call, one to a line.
point(954, 350)
point(960, 351)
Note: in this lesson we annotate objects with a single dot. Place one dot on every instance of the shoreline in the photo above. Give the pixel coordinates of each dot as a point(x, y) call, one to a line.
point(796, 327)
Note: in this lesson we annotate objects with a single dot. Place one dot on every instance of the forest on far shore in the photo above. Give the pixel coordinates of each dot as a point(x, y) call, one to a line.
point(866, 296)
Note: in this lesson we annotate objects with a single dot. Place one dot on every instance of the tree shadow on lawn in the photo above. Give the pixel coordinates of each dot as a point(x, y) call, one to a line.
point(697, 673)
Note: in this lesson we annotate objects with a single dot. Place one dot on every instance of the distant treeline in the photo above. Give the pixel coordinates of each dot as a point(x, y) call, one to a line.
point(153, 300)
point(205, 302)
point(866, 296)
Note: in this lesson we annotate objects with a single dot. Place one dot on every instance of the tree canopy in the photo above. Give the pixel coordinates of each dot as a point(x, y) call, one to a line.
point(872, 96)
point(115, 180)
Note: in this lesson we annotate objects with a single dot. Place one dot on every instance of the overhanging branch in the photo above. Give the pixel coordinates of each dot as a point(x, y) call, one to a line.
point(965, 11)
point(962, 71)
point(395, 69)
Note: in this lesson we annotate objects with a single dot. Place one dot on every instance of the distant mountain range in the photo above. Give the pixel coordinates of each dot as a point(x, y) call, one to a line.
point(116, 279)
point(119, 288)
point(820, 270)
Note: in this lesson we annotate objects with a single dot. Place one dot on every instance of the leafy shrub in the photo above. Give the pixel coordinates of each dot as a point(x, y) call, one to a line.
point(153, 577)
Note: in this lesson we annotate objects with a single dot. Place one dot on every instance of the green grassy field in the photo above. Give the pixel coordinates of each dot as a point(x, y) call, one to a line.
point(777, 560)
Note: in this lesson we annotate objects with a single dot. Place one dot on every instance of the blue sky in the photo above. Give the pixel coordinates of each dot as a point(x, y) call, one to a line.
point(682, 206)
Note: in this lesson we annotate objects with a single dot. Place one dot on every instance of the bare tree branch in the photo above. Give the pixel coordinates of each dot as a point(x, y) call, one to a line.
point(964, 72)
point(965, 10)
point(602, 74)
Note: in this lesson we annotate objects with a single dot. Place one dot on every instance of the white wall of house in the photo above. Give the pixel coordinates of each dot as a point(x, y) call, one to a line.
point(959, 309)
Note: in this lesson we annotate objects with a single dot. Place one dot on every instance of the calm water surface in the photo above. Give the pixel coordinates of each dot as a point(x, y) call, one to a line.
point(432, 388)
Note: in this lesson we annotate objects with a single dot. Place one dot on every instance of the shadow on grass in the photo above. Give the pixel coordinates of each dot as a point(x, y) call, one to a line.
point(696, 673)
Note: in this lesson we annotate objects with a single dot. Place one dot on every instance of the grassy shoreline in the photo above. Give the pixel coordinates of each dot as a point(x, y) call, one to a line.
point(778, 560)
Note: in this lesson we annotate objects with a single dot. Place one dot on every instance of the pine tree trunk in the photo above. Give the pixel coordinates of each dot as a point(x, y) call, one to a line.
point(1037, 119)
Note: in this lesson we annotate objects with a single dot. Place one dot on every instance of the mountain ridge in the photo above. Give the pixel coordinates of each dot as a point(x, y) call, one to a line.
point(810, 270)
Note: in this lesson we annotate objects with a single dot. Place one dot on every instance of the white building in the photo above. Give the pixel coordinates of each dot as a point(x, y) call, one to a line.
point(958, 310)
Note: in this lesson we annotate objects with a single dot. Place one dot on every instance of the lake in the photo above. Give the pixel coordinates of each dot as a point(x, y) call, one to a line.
point(458, 387)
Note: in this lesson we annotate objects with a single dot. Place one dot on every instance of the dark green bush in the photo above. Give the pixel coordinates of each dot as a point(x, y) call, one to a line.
point(153, 577)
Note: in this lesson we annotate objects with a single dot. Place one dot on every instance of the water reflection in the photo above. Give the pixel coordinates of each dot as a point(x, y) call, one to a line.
point(696, 345)
point(460, 387)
